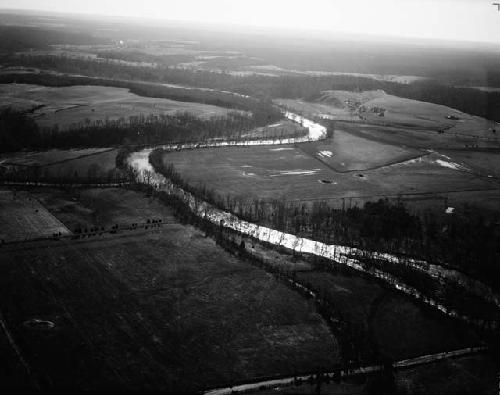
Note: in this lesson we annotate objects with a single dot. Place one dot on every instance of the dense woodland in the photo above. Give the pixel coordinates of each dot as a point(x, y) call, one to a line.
point(140, 57)
point(472, 101)
point(468, 239)
point(17, 38)
point(18, 131)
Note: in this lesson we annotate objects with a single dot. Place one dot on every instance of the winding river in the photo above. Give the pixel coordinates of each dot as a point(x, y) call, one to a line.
point(336, 253)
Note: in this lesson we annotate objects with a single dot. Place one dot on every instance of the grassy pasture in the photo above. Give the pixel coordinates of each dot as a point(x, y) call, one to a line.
point(99, 164)
point(407, 112)
point(484, 163)
point(348, 152)
point(418, 138)
point(402, 79)
point(257, 171)
point(44, 158)
point(405, 122)
point(65, 106)
point(280, 129)
point(287, 172)
point(166, 310)
point(335, 110)
point(412, 112)
point(74, 164)
point(23, 217)
point(101, 207)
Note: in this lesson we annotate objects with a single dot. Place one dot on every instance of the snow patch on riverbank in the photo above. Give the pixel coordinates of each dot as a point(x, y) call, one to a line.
point(297, 172)
point(325, 154)
point(451, 165)
point(280, 149)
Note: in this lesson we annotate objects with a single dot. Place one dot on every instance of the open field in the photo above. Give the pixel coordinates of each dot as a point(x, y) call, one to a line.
point(88, 208)
point(333, 110)
point(44, 158)
point(76, 104)
point(379, 108)
point(401, 79)
point(145, 311)
point(285, 128)
point(418, 138)
point(74, 164)
point(23, 217)
point(287, 172)
point(348, 152)
point(484, 163)
point(97, 165)
point(406, 112)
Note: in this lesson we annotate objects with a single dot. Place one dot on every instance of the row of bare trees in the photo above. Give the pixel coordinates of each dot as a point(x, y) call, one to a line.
point(468, 239)
point(17, 130)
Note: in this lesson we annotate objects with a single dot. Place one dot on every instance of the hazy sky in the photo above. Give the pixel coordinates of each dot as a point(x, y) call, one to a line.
point(470, 20)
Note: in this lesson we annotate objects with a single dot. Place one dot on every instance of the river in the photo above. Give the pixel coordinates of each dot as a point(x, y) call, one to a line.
point(336, 253)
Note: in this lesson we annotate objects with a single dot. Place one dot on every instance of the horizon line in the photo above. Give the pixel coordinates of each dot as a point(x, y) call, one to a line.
point(283, 30)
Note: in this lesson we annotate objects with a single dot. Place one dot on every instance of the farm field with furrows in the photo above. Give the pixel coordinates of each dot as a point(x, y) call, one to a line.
point(76, 104)
point(22, 217)
point(141, 310)
point(87, 208)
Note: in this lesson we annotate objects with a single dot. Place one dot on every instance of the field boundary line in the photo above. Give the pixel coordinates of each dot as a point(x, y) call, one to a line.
point(16, 349)
point(65, 184)
point(108, 234)
point(382, 195)
point(388, 164)
point(61, 161)
point(287, 381)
